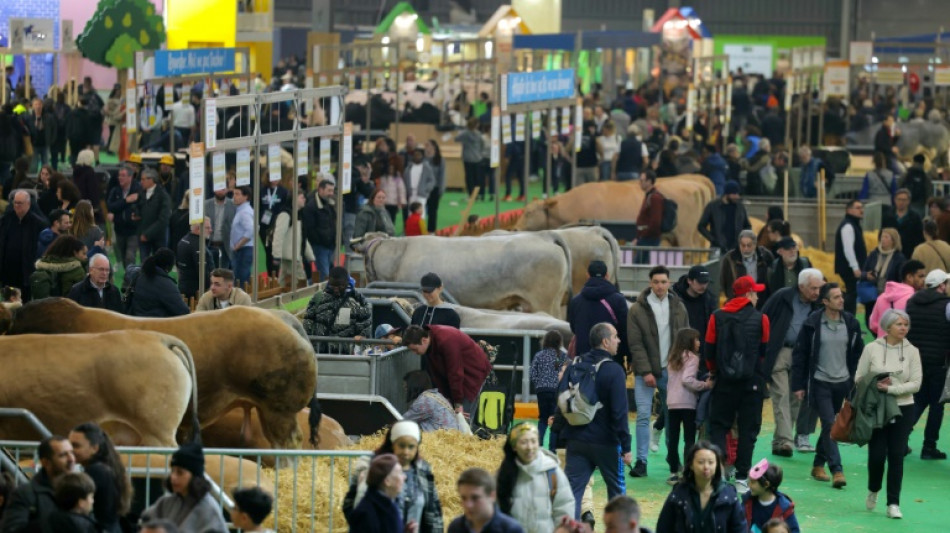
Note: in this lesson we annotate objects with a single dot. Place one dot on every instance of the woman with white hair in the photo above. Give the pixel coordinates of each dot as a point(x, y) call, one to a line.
point(894, 364)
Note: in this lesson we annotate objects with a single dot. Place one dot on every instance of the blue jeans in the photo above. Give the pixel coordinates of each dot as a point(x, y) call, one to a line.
point(324, 257)
point(581, 460)
point(826, 400)
point(40, 157)
point(605, 168)
point(644, 398)
point(643, 256)
point(242, 265)
point(628, 176)
point(547, 405)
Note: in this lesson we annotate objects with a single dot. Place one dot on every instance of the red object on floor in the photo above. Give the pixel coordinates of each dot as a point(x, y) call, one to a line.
point(732, 444)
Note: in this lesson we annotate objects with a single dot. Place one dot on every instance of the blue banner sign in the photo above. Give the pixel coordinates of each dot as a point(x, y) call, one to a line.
point(171, 63)
point(528, 87)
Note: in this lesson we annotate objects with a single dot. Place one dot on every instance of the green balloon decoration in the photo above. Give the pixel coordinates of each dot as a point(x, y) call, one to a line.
point(118, 29)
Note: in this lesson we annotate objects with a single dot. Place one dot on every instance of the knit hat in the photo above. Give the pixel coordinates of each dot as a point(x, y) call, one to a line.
point(786, 243)
point(190, 457)
point(597, 269)
point(732, 187)
point(379, 468)
point(405, 428)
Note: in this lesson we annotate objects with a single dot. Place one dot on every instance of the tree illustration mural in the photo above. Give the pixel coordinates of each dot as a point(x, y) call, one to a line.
point(118, 29)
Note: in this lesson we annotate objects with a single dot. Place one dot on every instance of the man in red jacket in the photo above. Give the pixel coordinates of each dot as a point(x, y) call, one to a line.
point(457, 365)
point(650, 217)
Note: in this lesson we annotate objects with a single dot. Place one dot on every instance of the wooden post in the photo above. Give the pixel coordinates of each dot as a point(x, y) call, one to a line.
point(785, 188)
point(822, 204)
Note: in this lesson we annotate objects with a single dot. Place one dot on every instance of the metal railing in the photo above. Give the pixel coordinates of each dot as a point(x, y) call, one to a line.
point(509, 356)
point(378, 373)
point(295, 464)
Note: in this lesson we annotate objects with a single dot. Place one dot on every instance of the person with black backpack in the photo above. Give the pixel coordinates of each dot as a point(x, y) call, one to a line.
point(32, 503)
point(650, 217)
point(736, 366)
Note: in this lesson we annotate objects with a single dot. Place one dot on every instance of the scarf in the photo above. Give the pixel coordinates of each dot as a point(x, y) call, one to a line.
point(880, 270)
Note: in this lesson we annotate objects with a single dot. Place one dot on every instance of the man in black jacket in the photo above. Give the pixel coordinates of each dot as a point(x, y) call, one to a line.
point(20, 229)
point(723, 219)
point(599, 301)
point(188, 255)
point(155, 210)
point(123, 204)
point(787, 266)
point(96, 290)
point(929, 312)
point(738, 398)
point(825, 360)
point(362, 186)
point(33, 502)
point(850, 252)
point(319, 222)
point(787, 311)
point(42, 126)
point(699, 302)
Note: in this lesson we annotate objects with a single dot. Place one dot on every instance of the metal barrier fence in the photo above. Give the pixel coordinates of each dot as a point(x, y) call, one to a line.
point(298, 464)
point(636, 262)
point(343, 372)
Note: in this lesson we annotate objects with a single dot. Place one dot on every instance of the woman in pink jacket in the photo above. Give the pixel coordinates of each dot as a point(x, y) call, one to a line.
point(896, 294)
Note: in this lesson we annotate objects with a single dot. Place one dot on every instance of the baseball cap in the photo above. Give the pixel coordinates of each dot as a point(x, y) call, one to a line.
point(384, 329)
point(787, 243)
point(935, 278)
point(699, 273)
point(431, 282)
point(597, 269)
point(746, 284)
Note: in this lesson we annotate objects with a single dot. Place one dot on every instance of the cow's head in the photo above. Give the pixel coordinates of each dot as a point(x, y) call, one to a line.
point(537, 215)
point(361, 244)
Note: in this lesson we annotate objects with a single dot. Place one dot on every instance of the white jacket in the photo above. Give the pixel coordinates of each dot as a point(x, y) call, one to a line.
point(283, 243)
point(902, 362)
point(531, 502)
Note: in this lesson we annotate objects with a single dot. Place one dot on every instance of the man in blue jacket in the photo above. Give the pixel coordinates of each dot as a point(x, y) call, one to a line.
point(604, 443)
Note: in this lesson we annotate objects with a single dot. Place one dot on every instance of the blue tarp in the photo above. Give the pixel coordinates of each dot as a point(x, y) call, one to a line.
point(590, 40)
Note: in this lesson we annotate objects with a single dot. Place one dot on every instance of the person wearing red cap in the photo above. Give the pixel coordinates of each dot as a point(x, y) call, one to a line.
point(735, 365)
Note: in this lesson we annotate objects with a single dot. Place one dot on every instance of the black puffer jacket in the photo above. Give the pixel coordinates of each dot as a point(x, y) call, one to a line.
point(157, 296)
point(930, 331)
point(586, 310)
point(677, 515)
point(698, 309)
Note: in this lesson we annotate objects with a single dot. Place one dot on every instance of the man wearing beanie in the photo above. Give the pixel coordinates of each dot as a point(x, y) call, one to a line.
point(599, 301)
point(189, 504)
point(724, 218)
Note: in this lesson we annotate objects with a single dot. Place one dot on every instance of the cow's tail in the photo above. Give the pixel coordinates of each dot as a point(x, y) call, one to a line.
point(181, 350)
point(569, 274)
point(314, 419)
point(614, 251)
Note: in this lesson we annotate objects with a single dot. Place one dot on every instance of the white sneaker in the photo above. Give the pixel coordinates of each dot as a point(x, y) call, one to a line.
point(894, 511)
point(655, 439)
point(802, 444)
point(871, 501)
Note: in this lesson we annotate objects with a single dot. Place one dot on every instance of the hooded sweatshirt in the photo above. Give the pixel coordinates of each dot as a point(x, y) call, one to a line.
point(895, 296)
point(586, 310)
point(532, 502)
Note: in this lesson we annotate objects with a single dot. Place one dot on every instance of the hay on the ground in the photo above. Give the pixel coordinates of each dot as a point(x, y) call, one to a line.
point(449, 453)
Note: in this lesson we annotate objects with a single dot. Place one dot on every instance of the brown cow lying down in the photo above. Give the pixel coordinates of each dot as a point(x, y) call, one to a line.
point(244, 357)
point(138, 396)
point(234, 430)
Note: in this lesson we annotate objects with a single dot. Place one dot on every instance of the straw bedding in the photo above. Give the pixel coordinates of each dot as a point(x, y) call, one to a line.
point(449, 453)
